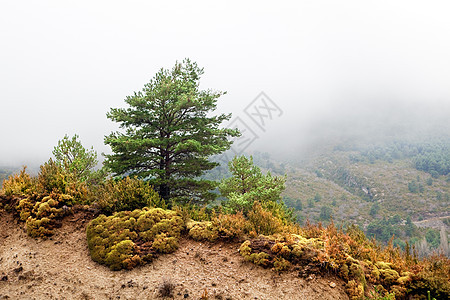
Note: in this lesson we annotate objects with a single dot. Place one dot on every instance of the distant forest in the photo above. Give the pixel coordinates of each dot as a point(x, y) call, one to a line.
point(431, 157)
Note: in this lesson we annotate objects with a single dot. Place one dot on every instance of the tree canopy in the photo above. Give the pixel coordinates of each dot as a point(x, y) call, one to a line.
point(169, 134)
point(248, 185)
point(75, 159)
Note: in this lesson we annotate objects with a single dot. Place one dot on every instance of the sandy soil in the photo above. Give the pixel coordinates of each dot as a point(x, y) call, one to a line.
point(61, 268)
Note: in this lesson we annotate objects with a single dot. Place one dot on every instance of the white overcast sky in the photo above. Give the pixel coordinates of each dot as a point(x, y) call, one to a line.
point(64, 64)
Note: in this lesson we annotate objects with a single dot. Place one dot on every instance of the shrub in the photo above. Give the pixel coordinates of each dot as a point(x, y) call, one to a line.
point(360, 262)
point(194, 212)
point(280, 251)
point(204, 230)
point(263, 221)
point(127, 194)
point(42, 215)
point(236, 226)
point(18, 185)
point(130, 238)
point(231, 227)
point(52, 178)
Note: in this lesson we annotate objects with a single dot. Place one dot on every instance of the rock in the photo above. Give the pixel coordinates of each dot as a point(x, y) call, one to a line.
point(4, 278)
point(18, 270)
point(332, 284)
point(311, 277)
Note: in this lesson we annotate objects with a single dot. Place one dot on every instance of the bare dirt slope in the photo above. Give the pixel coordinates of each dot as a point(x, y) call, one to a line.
point(61, 268)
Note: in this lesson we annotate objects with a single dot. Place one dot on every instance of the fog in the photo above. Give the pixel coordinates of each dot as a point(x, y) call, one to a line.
point(334, 69)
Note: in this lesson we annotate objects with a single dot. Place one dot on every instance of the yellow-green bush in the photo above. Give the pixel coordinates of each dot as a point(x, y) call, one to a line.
point(52, 178)
point(204, 230)
point(127, 194)
point(130, 238)
point(42, 215)
point(226, 227)
point(263, 221)
point(355, 290)
point(280, 251)
point(19, 184)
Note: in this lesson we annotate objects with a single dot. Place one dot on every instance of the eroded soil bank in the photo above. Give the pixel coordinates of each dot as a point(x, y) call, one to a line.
point(61, 268)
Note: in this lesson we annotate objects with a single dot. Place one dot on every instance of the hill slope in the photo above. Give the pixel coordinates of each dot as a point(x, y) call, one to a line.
point(61, 267)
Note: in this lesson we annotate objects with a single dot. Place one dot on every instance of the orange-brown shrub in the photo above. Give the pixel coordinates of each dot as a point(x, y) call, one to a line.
point(233, 226)
point(263, 221)
point(20, 184)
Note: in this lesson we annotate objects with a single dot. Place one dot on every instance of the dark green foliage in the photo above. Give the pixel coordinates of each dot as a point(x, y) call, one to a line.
point(413, 186)
point(410, 228)
point(374, 209)
point(325, 213)
point(446, 221)
point(127, 239)
point(433, 237)
point(317, 197)
point(434, 159)
point(383, 229)
point(293, 203)
point(169, 134)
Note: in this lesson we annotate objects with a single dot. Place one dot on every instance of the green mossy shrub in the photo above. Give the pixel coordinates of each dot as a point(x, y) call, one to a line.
point(388, 276)
point(42, 215)
point(131, 238)
point(281, 264)
point(201, 231)
point(127, 194)
point(355, 290)
point(281, 251)
point(390, 279)
point(235, 226)
point(224, 227)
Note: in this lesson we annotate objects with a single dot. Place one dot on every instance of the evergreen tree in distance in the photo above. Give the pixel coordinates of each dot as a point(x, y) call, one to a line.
point(170, 132)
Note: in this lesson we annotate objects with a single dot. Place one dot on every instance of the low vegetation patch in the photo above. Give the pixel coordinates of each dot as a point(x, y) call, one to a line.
point(42, 201)
point(363, 264)
point(128, 239)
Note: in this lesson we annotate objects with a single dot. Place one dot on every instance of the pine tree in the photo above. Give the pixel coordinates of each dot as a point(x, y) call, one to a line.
point(170, 134)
